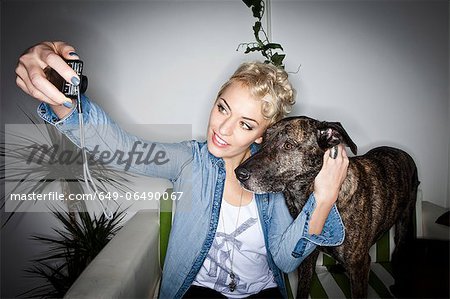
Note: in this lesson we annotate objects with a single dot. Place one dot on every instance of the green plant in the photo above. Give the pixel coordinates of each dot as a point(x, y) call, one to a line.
point(25, 172)
point(70, 251)
point(82, 237)
point(262, 44)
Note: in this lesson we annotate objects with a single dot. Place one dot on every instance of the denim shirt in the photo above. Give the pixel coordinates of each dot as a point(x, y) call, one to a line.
point(201, 177)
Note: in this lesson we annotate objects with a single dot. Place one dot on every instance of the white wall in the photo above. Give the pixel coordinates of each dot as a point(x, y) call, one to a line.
point(379, 67)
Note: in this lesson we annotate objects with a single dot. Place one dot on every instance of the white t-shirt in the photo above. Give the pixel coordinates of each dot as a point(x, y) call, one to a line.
point(250, 267)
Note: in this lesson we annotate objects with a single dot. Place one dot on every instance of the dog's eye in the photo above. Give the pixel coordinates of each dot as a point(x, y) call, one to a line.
point(288, 145)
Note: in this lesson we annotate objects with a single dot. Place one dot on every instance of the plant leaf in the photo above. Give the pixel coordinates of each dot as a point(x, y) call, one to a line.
point(71, 249)
point(249, 3)
point(277, 59)
point(252, 49)
point(256, 29)
point(273, 46)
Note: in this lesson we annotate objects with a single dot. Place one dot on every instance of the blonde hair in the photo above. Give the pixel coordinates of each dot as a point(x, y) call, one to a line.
point(267, 83)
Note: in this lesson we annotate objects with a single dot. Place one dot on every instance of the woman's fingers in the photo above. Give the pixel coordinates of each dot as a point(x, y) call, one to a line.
point(30, 71)
point(340, 162)
point(36, 94)
point(38, 86)
point(56, 61)
point(333, 173)
point(334, 151)
point(337, 152)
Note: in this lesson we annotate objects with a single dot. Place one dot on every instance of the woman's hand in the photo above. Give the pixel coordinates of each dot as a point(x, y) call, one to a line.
point(32, 80)
point(330, 178)
point(327, 185)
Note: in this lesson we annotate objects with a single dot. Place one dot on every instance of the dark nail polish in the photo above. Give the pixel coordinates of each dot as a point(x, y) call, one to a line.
point(75, 81)
point(73, 54)
point(68, 104)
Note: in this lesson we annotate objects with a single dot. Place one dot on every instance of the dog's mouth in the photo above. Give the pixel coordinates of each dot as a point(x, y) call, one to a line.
point(247, 188)
point(252, 183)
point(256, 188)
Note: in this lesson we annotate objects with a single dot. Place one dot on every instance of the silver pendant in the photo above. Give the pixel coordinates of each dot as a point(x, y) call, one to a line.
point(232, 284)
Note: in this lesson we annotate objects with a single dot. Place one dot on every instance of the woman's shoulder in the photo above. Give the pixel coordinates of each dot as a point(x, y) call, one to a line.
point(196, 145)
point(201, 152)
point(198, 148)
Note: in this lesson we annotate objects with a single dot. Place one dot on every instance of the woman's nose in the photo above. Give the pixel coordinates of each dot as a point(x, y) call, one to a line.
point(226, 128)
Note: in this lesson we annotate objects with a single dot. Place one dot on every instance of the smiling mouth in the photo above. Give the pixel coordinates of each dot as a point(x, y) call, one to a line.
point(219, 141)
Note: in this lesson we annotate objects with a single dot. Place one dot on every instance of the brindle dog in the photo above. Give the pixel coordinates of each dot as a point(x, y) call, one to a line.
point(379, 190)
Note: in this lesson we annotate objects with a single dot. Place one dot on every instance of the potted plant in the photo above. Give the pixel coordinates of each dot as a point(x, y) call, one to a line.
point(80, 236)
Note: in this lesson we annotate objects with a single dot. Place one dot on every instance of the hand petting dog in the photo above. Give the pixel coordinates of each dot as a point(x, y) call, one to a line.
point(327, 185)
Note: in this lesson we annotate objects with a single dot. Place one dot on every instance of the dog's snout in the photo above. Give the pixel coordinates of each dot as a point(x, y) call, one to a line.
point(242, 174)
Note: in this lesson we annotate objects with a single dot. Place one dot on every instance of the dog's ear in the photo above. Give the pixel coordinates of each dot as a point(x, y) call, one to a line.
point(330, 134)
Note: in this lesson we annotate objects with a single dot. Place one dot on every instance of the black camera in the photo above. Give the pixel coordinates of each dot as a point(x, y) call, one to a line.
point(68, 89)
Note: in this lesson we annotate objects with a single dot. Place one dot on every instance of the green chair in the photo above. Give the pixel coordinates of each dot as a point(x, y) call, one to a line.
point(165, 224)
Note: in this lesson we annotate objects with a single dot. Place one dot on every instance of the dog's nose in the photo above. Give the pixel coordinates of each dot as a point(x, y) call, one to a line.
point(242, 174)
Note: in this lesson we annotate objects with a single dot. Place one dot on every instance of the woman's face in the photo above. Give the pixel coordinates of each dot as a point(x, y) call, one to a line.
point(235, 122)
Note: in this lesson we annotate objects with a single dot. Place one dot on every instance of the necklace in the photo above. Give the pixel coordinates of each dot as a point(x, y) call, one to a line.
point(232, 285)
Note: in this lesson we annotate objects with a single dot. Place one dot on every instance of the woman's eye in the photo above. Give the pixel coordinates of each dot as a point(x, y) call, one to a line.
point(246, 126)
point(221, 108)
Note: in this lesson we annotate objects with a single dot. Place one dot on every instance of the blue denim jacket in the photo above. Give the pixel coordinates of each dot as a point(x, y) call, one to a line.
point(201, 177)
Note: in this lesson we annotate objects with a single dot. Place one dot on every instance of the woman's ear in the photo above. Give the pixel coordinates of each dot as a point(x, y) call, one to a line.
point(259, 140)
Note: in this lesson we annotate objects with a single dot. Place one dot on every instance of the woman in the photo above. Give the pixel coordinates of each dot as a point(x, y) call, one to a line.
point(225, 241)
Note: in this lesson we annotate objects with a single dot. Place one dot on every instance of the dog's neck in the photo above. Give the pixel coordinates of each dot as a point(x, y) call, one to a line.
point(297, 193)
point(349, 186)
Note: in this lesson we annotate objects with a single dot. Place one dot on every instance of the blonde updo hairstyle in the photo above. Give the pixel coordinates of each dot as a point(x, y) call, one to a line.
point(268, 83)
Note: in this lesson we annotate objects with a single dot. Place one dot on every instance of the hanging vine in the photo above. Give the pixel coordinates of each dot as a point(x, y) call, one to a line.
point(262, 44)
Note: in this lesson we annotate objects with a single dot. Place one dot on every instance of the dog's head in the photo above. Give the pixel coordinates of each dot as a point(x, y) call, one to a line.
point(291, 153)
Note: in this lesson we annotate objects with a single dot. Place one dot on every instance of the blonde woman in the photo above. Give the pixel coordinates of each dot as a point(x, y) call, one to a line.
point(225, 241)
